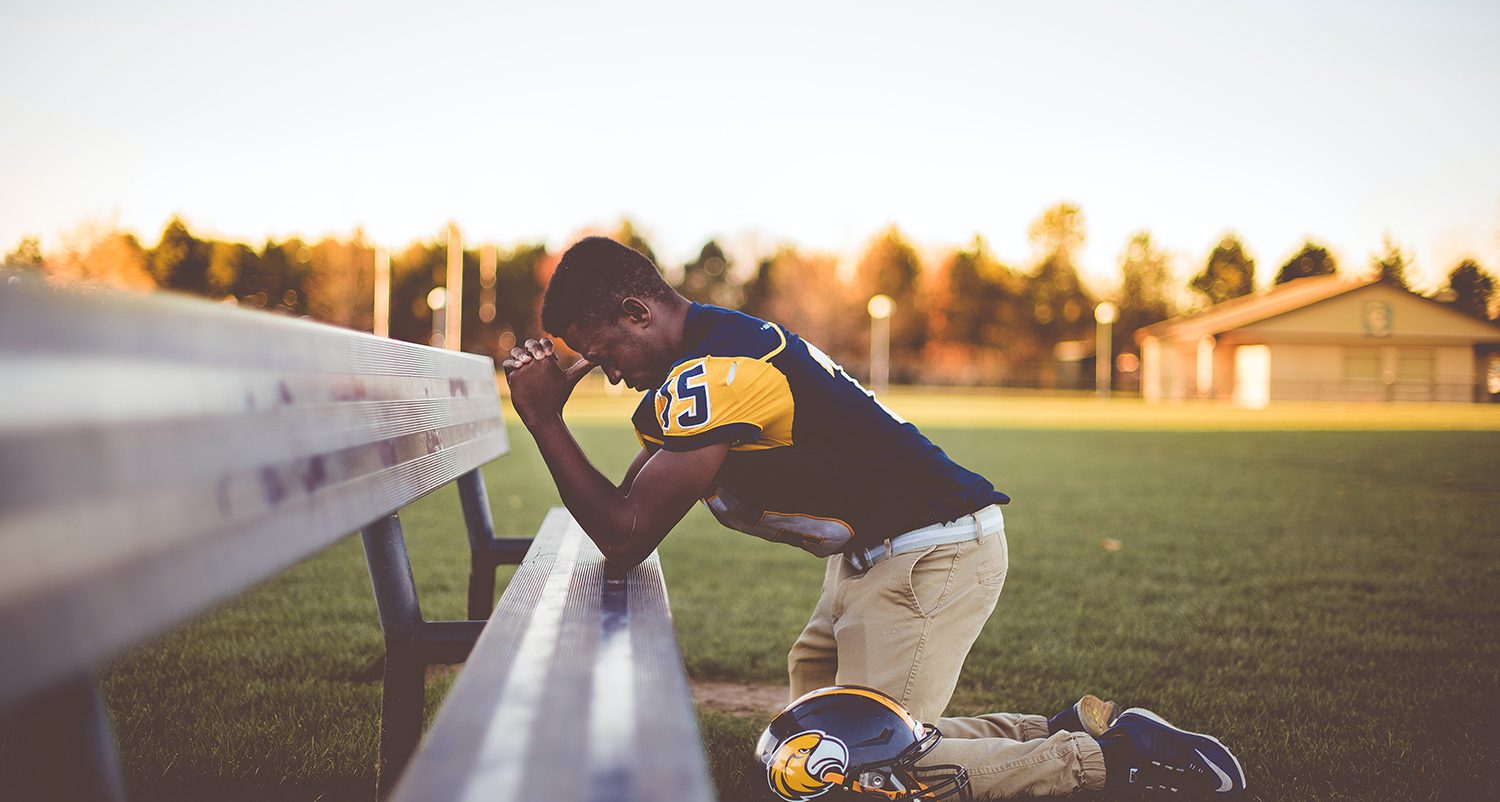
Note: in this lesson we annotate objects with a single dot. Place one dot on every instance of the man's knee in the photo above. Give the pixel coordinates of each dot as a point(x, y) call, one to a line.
point(802, 659)
point(808, 669)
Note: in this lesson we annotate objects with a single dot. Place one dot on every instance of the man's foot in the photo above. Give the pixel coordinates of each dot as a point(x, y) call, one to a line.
point(1145, 755)
point(1090, 714)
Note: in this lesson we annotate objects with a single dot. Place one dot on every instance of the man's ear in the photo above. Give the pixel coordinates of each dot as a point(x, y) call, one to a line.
point(635, 310)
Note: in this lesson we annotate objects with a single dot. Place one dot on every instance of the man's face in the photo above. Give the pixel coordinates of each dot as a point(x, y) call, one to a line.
point(624, 349)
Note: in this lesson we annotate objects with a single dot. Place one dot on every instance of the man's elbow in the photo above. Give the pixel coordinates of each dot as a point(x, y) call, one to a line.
point(616, 545)
point(619, 565)
point(620, 559)
point(626, 553)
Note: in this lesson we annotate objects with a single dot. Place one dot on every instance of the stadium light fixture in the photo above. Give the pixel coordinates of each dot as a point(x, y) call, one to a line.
point(381, 324)
point(1105, 315)
point(437, 301)
point(880, 307)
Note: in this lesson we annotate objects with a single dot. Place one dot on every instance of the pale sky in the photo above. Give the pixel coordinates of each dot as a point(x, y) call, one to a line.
point(817, 123)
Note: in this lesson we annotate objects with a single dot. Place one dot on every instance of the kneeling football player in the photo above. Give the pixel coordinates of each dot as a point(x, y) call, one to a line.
point(780, 443)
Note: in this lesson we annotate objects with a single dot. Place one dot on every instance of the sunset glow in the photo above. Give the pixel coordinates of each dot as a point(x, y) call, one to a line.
point(817, 124)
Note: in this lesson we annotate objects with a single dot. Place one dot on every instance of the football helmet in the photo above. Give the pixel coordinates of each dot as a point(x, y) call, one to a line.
point(851, 742)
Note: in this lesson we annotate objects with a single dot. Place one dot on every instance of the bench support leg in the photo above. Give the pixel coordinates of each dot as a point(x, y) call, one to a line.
point(390, 575)
point(400, 618)
point(485, 550)
point(481, 586)
point(481, 526)
point(411, 644)
point(64, 747)
point(401, 707)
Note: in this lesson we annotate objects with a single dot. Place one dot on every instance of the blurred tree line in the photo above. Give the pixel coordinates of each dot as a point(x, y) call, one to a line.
point(961, 317)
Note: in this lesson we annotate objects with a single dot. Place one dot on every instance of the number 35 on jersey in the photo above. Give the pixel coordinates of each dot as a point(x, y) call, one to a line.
point(710, 393)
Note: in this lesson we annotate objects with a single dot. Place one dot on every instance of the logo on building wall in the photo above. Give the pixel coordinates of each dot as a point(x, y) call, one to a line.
point(1378, 319)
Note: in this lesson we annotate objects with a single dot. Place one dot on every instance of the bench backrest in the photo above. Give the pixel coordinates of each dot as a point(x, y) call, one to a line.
point(159, 454)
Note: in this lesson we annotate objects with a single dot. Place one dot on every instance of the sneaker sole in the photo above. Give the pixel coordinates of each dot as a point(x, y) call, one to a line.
point(1096, 714)
point(1239, 772)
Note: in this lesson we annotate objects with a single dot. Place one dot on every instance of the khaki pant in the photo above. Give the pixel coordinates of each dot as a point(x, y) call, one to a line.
point(905, 627)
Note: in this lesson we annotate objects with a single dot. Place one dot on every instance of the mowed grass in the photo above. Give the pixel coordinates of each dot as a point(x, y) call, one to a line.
point(1324, 601)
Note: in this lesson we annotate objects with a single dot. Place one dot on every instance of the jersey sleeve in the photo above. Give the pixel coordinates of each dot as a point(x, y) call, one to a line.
point(713, 399)
point(647, 429)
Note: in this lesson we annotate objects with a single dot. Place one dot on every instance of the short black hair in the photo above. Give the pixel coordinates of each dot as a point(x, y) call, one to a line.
point(591, 280)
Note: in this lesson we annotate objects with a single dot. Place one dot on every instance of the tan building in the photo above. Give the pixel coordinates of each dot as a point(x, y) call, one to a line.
point(1321, 338)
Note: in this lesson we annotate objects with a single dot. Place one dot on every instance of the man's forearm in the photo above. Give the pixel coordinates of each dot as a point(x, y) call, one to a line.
point(594, 501)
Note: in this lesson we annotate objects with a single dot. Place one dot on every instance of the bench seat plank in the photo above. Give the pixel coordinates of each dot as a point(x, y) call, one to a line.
point(575, 691)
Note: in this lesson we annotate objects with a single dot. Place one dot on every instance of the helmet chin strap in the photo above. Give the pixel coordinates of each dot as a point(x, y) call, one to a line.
point(895, 792)
point(889, 785)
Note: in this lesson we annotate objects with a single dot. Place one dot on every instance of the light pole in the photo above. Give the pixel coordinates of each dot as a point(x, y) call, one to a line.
point(880, 308)
point(382, 322)
point(437, 301)
point(487, 283)
point(1104, 314)
point(453, 323)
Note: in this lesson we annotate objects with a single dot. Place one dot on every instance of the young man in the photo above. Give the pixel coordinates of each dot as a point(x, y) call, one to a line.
point(779, 442)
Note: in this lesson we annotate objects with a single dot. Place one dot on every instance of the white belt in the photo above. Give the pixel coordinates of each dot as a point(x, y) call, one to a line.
point(978, 525)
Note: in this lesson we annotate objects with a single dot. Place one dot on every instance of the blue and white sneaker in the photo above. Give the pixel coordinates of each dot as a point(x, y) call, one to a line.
point(1146, 755)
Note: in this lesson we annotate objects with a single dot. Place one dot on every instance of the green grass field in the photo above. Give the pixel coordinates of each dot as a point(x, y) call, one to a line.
point(1317, 585)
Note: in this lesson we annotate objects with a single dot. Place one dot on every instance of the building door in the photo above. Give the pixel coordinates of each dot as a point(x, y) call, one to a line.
point(1252, 376)
point(1362, 376)
point(1416, 375)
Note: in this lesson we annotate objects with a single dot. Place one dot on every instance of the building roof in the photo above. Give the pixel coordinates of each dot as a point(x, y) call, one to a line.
point(1277, 300)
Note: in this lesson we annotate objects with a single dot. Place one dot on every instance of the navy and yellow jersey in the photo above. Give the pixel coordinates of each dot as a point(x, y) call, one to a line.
point(814, 460)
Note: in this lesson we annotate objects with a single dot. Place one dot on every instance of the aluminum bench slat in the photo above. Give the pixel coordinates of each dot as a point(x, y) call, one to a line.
point(575, 691)
point(159, 454)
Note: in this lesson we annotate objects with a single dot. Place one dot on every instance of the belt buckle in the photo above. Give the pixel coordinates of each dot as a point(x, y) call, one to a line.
point(862, 560)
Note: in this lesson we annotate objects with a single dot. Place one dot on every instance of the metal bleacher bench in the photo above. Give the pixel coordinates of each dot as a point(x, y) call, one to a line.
point(159, 455)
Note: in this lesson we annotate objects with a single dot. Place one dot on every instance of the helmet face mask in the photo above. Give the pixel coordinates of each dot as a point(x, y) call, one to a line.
point(851, 742)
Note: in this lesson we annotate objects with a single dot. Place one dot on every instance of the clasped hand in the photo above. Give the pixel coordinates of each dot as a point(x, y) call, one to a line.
point(539, 386)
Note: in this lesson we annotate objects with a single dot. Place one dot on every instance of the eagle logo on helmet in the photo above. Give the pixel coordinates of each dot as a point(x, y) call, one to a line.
point(807, 765)
point(853, 741)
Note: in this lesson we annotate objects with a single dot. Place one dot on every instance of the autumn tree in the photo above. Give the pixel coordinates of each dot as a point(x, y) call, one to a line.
point(977, 323)
point(1472, 287)
point(180, 261)
point(1145, 295)
point(230, 264)
point(340, 284)
point(632, 237)
point(1061, 309)
point(1060, 231)
point(95, 255)
point(518, 292)
point(1392, 265)
point(890, 266)
point(276, 277)
point(802, 291)
point(759, 289)
point(706, 279)
point(1312, 260)
point(1229, 272)
point(975, 299)
point(414, 272)
point(26, 256)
